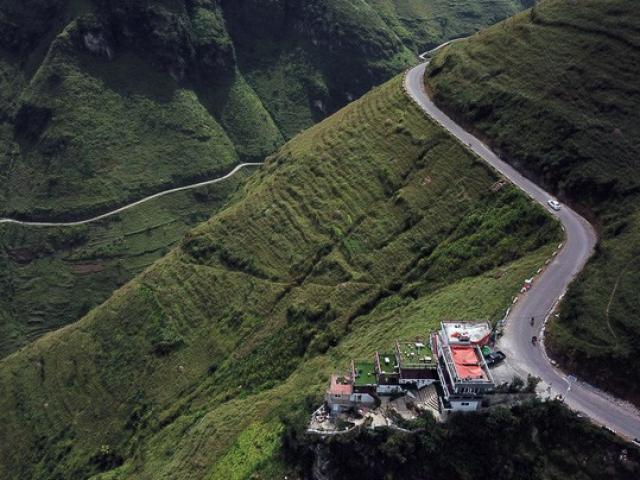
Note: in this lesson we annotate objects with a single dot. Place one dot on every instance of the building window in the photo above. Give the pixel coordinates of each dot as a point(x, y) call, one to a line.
point(465, 404)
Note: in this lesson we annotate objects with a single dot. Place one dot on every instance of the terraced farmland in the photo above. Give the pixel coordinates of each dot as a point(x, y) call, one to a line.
point(370, 226)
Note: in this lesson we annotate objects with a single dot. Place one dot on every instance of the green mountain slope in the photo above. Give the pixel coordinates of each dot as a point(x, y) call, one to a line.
point(103, 102)
point(423, 24)
point(372, 225)
point(112, 99)
point(556, 91)
point(52, 276)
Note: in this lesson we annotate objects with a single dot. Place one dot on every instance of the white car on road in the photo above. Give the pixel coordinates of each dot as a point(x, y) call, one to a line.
point(554, 204)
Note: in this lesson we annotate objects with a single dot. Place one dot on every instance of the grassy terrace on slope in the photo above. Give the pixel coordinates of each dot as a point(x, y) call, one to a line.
point(184, 91)
point(372, 225)
point(108, 100)
point(556, 91)
point(113, 101)
point(53, 276)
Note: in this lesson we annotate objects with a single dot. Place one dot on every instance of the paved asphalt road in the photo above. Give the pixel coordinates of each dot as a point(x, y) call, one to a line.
point(131, 205)
point(548, 288)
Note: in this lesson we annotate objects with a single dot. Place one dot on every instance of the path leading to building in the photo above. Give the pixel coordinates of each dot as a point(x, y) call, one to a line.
point(548, 289)
point(130, 205)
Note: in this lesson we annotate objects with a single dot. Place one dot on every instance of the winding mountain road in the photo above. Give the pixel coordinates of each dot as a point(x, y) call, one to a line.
point(130, 205)
point(539, 302)
point(548, 288)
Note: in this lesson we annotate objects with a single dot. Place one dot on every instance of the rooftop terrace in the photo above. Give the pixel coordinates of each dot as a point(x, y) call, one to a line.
point(388, 363)
point(364, 373)
point(414, 354)
point(476, 333)
point(340, 385)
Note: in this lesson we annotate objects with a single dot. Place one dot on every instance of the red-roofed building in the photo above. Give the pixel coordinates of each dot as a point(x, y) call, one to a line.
point(464, 375)
point(338, 395)
point(348, 391)
point(452, 358)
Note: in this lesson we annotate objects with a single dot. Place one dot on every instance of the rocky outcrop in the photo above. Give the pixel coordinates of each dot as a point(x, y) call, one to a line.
point(321, 467)
point(186, 42)
point(97, 44)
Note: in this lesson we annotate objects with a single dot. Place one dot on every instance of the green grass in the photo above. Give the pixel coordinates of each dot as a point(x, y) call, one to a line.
point(92, 162)
point(183, 93)
point(254, 447)
point(426, 24)
point(86, 132)
point(365, 371)
point(54, 276)
point(373, 225)
point(555, 91)
point(186, 94)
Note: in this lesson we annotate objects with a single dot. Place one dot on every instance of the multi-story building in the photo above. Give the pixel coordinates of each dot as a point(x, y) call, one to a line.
point(410, 365)
point(464, 375)
point(388, 373)
point(416, 365)
point(466, 333)
point(364, 382)
point(339, 393)
point(453, 357)
point(356, 388)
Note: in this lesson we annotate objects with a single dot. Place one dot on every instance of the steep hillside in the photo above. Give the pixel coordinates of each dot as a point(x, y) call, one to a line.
point(546, 442)
point(370, 226)
point(50, 277)
point(103, 102)
point(424, 24)
point(556, 91)
point(129, 97)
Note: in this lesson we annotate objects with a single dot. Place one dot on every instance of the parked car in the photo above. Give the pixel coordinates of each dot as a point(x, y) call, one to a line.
point(494, 358)
point(636, 442)
point(554, 204)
